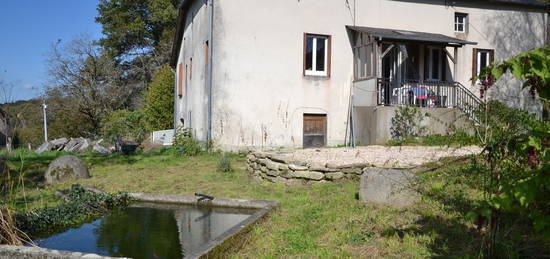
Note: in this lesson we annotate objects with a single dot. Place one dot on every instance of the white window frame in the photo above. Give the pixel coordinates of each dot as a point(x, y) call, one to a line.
point(314, 71)
point(464, 22)
point(488, 60)
point(430, 63)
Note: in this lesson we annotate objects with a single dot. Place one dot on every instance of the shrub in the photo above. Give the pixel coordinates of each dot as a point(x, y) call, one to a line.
point(129, 125)
point(224, 163)
point(186, 143)
point(406, 123)
point(159, 100)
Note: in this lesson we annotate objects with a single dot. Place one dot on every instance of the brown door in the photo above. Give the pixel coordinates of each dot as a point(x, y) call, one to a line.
point(315, 130)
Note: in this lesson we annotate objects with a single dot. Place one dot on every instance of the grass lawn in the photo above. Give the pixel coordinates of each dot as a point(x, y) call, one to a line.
point(323, 220)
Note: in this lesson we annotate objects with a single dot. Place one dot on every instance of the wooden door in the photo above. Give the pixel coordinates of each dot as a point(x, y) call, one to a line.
point(315, 130)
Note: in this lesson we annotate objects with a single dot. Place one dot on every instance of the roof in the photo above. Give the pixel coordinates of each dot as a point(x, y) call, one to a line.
point(403, 35)
point(522, 2)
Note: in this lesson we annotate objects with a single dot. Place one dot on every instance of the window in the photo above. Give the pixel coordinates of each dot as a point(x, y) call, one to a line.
point(481, 59)
point(434, 63)
point(461, 22)
point(191, 68)
point(180, 80)
point(365, 61)
point(316, 55)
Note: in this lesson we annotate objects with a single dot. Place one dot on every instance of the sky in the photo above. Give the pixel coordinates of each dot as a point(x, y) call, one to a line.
point(28, 28)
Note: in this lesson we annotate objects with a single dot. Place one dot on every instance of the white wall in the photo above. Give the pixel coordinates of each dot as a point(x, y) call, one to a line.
point(259, 91)
point(192, 106)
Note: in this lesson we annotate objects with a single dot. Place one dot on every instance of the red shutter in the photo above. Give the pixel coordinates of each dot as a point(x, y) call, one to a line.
point(180, 80)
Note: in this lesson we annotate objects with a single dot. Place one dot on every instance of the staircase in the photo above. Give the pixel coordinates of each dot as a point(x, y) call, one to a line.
point(467, 102)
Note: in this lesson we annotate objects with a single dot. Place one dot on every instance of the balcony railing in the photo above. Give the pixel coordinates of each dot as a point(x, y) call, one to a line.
point(427, 94)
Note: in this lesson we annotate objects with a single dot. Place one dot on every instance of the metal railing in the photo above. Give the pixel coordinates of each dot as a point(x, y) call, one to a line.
point(427, 94)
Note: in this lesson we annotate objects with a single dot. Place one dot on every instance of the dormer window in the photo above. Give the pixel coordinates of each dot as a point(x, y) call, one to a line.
point(461, 22)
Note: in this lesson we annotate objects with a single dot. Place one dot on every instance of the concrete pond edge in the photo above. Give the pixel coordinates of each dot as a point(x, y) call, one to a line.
point(213, 248)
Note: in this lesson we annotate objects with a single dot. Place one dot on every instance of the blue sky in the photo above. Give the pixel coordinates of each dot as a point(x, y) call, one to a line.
point(28, 28)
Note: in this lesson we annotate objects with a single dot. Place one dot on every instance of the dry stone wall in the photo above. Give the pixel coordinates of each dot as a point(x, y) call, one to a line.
point(278, 169)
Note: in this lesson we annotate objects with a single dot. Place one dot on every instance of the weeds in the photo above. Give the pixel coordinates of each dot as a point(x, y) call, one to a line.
point(224, 163)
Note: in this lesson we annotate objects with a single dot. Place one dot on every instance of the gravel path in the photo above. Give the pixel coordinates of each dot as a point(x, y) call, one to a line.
point(378, 155)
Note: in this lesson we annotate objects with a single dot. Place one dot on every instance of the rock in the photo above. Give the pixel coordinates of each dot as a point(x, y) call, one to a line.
point(334, 176)
point(251, 158)
point(85, 145)
point(390, 187)
point(312, 175)
point(279, 159)
point(273, 172)
point(320, 167)
point(44, 147)
point(66, 167)
point(297, 167)
point(272, 165)
point(59, 142)
point(353, 170)
point(100, 149)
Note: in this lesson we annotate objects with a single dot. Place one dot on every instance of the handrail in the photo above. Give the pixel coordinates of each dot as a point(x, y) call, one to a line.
point(428, 94)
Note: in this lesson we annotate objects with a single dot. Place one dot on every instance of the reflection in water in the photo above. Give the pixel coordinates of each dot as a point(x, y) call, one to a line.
point(148, 231)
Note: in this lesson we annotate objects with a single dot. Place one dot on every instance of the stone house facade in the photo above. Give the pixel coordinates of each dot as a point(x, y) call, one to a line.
point(261, 74)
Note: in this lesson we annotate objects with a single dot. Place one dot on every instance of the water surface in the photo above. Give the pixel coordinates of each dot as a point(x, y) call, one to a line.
point(148, 231)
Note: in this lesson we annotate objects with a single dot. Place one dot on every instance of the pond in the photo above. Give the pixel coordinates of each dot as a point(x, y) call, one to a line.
point(149, 231)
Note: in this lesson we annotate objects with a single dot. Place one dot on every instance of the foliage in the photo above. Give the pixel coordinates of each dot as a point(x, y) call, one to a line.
point(517, 178)
point(159, 100)
point(27, 121)
point(224, 163)
point(406, 123)
point(131, 25)
point(85, 86)
point(128, 125)
point(186, 143)
point(82, 205)
point(533, 68)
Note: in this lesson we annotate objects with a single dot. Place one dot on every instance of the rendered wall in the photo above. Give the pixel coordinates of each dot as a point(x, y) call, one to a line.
point(260, 93)
point(374, 124)
point(192, 106)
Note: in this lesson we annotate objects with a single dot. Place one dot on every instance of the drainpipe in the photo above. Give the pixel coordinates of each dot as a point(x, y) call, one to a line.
point(209, 68)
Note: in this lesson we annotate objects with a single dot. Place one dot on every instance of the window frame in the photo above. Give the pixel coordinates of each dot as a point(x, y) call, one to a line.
point(476, 61)
point(328, 55)
point(430, 64)
point(361, 43)
point(464, 23)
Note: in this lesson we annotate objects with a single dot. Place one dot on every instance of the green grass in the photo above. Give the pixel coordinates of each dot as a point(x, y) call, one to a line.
point(313, 221)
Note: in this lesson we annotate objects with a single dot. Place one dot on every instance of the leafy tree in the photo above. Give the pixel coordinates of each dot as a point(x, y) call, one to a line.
point(159, 100)
point(134, 26)
point(128, 125)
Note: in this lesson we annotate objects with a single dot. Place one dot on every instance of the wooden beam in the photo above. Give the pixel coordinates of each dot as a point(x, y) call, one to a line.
point(453, 59)
point(387, 51)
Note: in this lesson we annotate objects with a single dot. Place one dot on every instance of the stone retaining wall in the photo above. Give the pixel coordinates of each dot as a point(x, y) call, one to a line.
point(277, 169)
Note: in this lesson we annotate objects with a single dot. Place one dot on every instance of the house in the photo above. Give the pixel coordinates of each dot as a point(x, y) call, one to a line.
point(302, 73)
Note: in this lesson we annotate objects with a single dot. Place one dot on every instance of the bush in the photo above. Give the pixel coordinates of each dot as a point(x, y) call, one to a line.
point(129, 125)
point(159, 101)
point(406, 123)
point(224, 163)
point(186, 143)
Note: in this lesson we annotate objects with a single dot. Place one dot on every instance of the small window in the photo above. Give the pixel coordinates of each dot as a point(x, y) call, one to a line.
point(482, 59)
point(365, 61)
point(461, 22)
point(316, 55)
point(434, 63)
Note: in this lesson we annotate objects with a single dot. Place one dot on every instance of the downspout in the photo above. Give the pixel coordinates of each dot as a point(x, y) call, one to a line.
point(209, 68)
point(175, 99)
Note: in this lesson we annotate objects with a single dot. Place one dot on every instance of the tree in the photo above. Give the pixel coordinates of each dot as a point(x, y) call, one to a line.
point(137, 26)
point(159, 100)
point(85, 86)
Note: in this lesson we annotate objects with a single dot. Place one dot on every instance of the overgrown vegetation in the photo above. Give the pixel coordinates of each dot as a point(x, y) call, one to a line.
point(517, 145)
point(186, 143)
point(159, 101)
point(81, 205)
point(458, 138)
point(128, 125)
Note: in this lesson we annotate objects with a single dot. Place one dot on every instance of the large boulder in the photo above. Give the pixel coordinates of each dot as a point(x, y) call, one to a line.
point(66, 167)
point(388, 186)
